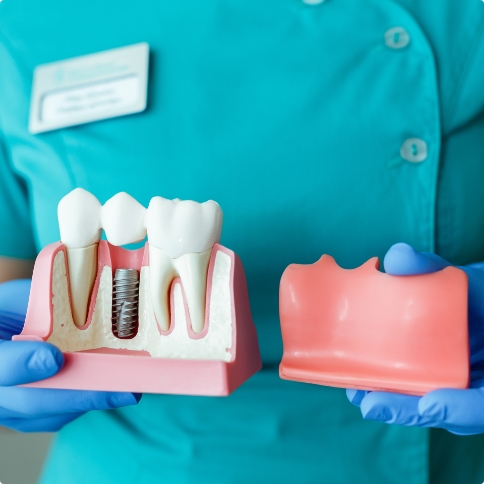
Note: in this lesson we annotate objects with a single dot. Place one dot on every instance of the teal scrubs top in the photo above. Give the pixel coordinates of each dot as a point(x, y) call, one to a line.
point(296, 117)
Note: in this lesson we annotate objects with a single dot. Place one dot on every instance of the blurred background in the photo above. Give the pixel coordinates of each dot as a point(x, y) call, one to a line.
point(22, 456)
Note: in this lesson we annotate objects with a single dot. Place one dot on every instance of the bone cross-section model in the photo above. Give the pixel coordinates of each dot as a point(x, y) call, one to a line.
point(181, 297)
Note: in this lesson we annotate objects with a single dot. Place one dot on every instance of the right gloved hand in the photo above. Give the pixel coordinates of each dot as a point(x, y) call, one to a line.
point(458, 411)
point(38, 409)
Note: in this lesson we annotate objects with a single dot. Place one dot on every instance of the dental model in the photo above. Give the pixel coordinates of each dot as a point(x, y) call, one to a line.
point(364, 329)
point(171, 317)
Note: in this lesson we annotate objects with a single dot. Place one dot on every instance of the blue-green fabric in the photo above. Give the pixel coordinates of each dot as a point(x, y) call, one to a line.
point(291, 116)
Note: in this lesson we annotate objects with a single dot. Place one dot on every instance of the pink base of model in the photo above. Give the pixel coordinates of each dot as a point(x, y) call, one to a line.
point(136, 371)
point(368, 330)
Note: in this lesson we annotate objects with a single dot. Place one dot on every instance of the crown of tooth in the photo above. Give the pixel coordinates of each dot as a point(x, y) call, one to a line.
point(182, 227)
point(123, 219)
point(79, 214)
point(181, 236)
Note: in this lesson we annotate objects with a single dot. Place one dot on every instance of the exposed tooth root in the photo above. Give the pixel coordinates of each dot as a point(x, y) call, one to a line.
point(82, 265)
point(162, 274)
point(192, 269)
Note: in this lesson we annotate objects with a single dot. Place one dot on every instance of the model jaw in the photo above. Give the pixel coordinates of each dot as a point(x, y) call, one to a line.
point(174, 265)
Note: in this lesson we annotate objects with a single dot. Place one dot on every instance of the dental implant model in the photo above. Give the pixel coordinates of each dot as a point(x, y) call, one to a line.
point(171, 317)
point(125, 303)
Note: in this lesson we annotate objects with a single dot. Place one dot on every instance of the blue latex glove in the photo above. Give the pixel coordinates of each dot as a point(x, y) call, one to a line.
point(38, 409)
point(458, 411)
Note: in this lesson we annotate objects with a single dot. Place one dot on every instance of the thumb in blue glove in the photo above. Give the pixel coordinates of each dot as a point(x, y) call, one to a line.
point(458, 411)
point(38, 409)
point(14, 298)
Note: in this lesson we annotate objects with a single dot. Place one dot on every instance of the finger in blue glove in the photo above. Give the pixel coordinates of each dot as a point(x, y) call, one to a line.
point(459, 411)
point(14, 298)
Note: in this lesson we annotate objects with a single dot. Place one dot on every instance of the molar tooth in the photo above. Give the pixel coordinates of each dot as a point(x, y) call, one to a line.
point(182, 226)
point(80, 229)
point(123, 219)
point(181, 235)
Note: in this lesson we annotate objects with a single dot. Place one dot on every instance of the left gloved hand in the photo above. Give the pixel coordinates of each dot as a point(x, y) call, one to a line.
point(38, 409)
point(458, 411)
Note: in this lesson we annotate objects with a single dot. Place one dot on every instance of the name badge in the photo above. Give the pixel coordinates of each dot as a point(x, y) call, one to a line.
point(89, 88)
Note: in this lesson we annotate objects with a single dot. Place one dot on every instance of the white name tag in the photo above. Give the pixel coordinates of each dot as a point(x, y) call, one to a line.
point(89, 88)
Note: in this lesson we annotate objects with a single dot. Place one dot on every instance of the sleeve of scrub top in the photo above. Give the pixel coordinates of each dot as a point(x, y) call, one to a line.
point(16, 236)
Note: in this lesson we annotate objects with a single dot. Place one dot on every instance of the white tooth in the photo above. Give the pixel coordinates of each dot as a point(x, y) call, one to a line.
point(181, 227)
point(123, 219)
point(80, 229)
point(79, 214)
point(181, 235)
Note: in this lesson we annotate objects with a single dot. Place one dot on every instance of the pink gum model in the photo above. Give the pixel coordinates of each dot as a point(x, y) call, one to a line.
point(368, 330)
point(136, 371)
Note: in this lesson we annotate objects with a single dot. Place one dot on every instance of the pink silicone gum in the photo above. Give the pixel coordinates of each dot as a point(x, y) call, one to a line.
point(368, 330)
point(136, 371)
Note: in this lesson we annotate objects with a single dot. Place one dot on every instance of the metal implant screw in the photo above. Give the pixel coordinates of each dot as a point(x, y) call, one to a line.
point(125, 303)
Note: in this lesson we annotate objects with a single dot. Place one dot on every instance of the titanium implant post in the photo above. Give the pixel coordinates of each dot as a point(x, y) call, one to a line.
point(125, 303)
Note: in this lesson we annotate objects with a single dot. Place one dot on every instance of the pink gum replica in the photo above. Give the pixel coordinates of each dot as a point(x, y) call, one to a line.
point(368, 330)
point(136, 371)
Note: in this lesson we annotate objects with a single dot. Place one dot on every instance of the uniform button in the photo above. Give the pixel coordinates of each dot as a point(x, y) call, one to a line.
point(313, 2)
point(397, 38)
point(414, 150)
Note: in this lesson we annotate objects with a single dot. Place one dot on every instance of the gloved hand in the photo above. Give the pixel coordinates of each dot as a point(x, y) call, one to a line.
point(38, 409)
point(458, 411)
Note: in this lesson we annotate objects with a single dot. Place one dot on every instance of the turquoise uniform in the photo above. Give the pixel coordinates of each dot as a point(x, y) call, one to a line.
point(318, 130)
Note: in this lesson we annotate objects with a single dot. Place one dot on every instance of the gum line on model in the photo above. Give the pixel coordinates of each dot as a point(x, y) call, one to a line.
point(364, 329)
point(170, 317)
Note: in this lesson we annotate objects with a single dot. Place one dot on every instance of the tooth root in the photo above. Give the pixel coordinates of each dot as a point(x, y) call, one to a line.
point(192, 269)
point(161, 276)
point(82, 264)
